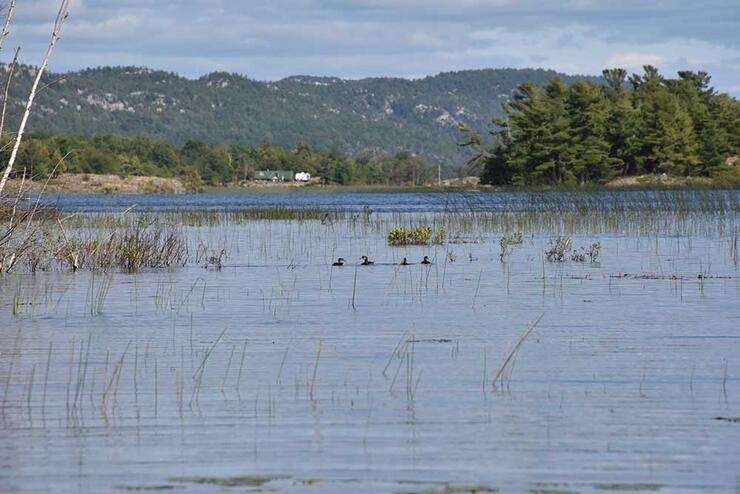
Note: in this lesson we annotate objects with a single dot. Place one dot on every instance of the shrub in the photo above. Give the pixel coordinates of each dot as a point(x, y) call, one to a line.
point(559, 249)
point(507, 241)
point(591, 253)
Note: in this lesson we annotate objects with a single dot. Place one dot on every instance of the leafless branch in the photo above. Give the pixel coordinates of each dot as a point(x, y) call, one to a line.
point(11, 70)
point(8, 20)
point(58, 24)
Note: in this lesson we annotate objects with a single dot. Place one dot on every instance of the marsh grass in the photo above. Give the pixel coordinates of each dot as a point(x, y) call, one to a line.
point(97, 292)
point(136, 240)
point(44, 243)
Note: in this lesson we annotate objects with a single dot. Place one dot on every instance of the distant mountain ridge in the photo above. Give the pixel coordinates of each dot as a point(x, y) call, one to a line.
point(354, 116)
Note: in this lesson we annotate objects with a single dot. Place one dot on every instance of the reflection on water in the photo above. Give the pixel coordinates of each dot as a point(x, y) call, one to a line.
point(280, 372)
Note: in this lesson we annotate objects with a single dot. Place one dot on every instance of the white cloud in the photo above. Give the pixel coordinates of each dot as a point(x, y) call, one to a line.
point(634, 60)
point(270, 39)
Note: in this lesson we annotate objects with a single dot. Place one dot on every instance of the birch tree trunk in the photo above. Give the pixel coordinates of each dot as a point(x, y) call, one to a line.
point(11, 71)
point(8, 20)
point(61, 17)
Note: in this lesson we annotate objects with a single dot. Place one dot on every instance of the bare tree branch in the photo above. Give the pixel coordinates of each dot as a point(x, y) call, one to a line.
point(11, 70)
point(58, 24)
point(8, 20)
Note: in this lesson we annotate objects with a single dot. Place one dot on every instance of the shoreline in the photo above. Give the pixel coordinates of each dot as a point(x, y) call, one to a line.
point(91, 184)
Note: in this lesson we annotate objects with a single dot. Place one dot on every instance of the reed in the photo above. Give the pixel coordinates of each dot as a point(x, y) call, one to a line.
point(198, 374)
point(46, 377)
point(8, 380)
point(241, 368)
point(503, 374)
point(315, 369)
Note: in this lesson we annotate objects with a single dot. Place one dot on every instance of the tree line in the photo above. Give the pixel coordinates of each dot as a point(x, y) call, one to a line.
point(591, 133)
point(42, 155)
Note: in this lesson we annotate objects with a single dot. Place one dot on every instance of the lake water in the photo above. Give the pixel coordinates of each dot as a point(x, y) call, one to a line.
point(281, 373)
point(397, 202)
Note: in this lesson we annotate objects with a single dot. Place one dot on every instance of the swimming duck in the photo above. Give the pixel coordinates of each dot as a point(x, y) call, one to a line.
point(340, 262)
point(366, 261)
point(404, 262)
point(426, 260)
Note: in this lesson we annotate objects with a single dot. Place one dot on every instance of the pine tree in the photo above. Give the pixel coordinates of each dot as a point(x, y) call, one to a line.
point(588, 133)
point(588, 147)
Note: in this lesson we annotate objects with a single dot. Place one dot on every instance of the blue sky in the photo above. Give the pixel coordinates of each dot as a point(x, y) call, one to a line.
point(271, 39)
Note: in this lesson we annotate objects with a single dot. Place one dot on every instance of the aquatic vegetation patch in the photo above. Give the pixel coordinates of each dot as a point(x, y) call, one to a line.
point(628, 487)
point(44, 243)
point(456, 489)
point(558, 249)
point(144, 488)
point(561, 249)
point(550, 491)
point(149, 244)
point(246, 480)
point(423, 235)
point(507, 242)
point(590, 253)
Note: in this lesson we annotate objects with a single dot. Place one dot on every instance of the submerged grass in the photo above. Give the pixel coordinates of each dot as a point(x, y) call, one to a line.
point(246, 480)
point(144, 488)
point(628, 487)
point(455, 489)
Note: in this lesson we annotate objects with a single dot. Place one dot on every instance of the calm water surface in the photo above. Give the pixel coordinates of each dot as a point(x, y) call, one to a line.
point(399, 201)
point(307, 378)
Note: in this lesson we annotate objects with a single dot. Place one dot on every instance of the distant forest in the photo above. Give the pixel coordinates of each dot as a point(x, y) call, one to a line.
point(42, 154)
point(591, 133)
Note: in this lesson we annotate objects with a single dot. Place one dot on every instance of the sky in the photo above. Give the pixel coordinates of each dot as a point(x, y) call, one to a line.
point(272, 39)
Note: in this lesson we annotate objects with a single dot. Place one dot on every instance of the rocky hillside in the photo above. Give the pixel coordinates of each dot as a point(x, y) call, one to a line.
point(377, 114)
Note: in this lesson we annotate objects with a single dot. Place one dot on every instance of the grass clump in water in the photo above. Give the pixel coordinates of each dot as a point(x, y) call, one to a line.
point(558, 249)
point(507, 241)
point(245, 480)
point(590, 253)
point(456, 489)
point(37, 239)
point(422, 235)
point(628, 487)
point(550, 491)
point(139, 488)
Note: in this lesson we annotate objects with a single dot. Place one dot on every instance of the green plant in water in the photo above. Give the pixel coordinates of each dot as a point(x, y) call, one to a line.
point(440, 236)
point(423, 235)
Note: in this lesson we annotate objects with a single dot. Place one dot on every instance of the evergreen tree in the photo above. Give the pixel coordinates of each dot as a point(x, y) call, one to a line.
point(584, 133)
point(589, 150)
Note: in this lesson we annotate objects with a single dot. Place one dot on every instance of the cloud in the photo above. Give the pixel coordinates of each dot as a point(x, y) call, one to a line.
point(634, 60)
point(269, 39)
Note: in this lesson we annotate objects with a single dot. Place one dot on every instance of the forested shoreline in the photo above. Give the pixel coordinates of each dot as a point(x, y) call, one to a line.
point(588, 133)
point(554, 134)
point(198, 163)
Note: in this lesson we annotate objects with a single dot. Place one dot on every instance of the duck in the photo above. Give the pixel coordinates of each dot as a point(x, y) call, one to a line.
point(339, 262)
point(404, 262)
point(366, 261)
point(426, 260)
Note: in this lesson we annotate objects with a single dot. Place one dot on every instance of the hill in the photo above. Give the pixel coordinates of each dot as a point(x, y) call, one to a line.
point(354, 116)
